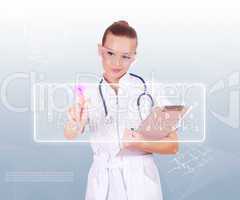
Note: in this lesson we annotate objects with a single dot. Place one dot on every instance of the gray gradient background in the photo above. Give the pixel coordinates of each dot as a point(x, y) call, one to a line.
point(178, 42)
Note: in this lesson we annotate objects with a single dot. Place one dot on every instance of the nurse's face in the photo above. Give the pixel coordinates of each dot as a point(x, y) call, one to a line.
point(118, 53)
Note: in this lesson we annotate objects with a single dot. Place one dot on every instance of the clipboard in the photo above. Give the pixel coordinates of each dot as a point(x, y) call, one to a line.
point(162, 120)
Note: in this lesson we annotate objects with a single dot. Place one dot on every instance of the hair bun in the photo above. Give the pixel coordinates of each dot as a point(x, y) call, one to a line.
point(120, 28)
point(122, 22)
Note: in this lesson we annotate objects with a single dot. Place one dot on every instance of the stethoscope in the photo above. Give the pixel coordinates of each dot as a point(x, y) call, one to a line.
point(108, 118)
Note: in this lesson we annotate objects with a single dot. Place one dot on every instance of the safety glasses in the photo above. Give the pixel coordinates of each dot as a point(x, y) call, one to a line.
point(115, 56)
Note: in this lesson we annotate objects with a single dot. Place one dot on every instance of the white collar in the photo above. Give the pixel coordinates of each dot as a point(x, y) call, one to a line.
point(123, 80)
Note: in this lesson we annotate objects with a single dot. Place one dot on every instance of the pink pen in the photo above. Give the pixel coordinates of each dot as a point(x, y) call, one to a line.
point(79, 89)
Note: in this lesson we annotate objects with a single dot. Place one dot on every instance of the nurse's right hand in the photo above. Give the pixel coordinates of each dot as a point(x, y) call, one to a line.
point(77, 115)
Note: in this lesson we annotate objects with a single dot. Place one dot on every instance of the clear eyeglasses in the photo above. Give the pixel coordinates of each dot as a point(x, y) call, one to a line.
point(114, 56)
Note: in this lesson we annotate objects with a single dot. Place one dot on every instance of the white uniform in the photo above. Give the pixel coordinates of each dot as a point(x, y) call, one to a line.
point(133, 175)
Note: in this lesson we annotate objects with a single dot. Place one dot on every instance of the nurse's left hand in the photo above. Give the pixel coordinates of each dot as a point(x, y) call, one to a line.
point(132, 139)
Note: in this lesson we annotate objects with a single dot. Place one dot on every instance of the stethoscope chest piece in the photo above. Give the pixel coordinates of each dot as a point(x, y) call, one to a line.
point(108, 119)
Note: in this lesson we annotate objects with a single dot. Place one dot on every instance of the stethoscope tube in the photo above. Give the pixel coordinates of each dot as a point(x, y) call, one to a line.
point(138, 99)
point(102, 98)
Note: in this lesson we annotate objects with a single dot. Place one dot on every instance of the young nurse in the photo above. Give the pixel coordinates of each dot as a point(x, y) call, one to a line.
point(133, 174)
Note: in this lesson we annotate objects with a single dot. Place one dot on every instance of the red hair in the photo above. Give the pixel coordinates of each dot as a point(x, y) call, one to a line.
point(120, 28)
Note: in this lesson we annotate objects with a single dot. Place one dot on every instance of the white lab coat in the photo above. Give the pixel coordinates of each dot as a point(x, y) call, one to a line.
point(133, 175)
